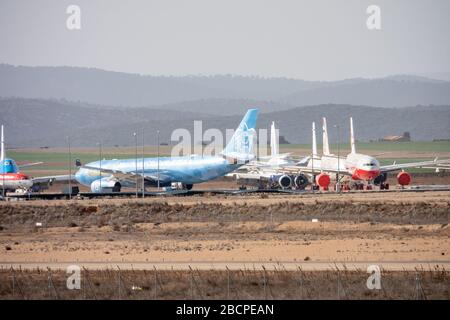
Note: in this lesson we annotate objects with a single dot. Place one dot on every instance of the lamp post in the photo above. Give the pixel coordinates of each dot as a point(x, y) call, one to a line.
point(143, 180)
point(3, 177)
point(312, 171)
point(338, 185)
point(157, 135)
point(100, 154)
point(70, 168)
point(3, 163)
point(136, 162)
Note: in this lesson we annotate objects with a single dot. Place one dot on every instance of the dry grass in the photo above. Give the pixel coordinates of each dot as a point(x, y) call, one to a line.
point(16, 216)
point(241, 284)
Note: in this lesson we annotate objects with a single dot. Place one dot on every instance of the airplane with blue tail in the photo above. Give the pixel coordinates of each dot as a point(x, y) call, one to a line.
point(11, 179)
point(106, 176)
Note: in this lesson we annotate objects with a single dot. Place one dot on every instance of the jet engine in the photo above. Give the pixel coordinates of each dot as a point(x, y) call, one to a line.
point(301, 181)
point(403, 178)
point(284, 181)
point(323, 180)
point(105, 185)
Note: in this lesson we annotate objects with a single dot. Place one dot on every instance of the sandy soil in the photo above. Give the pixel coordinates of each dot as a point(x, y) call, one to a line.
point(376, 227)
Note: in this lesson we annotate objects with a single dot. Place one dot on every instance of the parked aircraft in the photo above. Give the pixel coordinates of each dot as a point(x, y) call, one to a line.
point(111, 175)
point(359, 167)
point(11, 178)
point(266, 172)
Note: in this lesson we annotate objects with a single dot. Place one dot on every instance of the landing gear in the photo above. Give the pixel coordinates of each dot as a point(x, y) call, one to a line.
point(384, 186)
point(117, 187)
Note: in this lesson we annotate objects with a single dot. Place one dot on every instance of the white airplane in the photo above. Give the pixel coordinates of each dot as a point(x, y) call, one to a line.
point(12, 179)
point(267, 172)
point(357, 166)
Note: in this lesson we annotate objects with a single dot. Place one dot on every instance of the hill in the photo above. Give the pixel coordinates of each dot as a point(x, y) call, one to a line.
point(39, 122)
point(95, 86)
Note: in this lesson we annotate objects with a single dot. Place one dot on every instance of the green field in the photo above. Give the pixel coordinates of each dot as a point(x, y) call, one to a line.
point(413, 146)
point(57, 160)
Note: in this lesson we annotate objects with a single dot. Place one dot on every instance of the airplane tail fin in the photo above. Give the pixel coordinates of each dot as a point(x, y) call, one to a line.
point(314, 141)
point(241, 146)
point(352, 137)
point(2, 152)
point(274, 150)
point(326, 146)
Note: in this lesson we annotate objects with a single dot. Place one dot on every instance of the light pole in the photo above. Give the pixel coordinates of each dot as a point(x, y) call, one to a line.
point(3, 163)
point(3, 177)
point(70, 168)
point(339, 159)
point(157, 135)
point(143, 180)
point(312, 171)
point(100, 154)
point(136, 162)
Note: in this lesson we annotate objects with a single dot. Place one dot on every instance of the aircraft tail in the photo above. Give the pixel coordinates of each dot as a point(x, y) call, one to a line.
point(314, 141)
point(274, 150)
point(241, 146)
point(326, 146)
point(2, 152)
point(352, 137)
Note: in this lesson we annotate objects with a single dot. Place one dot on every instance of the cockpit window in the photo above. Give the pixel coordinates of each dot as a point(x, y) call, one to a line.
point(371, 164)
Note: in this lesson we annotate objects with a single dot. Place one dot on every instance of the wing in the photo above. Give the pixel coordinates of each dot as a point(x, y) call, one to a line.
point(251, 175)
point(422, 164)
point(51, 179)
point(29, 164)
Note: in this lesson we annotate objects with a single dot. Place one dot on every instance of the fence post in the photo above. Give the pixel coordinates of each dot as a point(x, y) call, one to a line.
point(264, 283)
point(156, 283)
point(301, 283)
point(120, 294)
point(192, 286)
point(419, 292)
point(339, 286)
point(228, 283)
point(13, 284)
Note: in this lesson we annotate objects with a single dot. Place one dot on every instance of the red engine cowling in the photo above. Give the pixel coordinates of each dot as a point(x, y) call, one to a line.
point(323, 180)
point(404, 178)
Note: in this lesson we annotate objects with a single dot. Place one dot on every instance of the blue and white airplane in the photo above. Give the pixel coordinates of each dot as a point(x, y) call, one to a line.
point(111, 175)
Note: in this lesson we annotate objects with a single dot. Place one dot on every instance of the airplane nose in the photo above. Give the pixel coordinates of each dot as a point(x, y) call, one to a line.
point(374, 173)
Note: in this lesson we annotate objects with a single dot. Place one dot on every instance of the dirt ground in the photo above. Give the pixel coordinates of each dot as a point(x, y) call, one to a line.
point(365, 227)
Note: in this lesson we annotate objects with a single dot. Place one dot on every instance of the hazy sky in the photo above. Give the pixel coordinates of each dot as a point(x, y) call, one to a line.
point(313, 40)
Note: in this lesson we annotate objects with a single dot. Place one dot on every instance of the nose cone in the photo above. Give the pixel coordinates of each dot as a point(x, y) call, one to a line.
point(368, 174)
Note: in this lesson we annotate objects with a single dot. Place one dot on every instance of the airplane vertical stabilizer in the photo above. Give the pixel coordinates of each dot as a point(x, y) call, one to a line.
point(274, 150)
point(314, 140)
point(352, 137)
point(241, 145)
point(326, 146)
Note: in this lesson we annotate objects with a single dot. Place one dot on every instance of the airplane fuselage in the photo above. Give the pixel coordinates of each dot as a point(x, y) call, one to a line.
point(358, 166)
point(11, 178)
point(184, 169)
